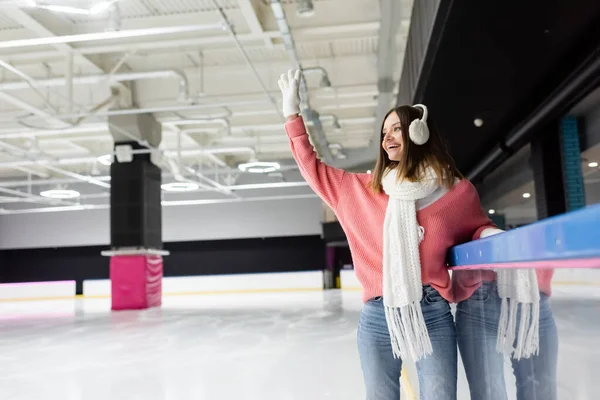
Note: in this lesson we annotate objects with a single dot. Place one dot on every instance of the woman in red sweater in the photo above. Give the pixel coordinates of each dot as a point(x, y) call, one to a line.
point(399, 232)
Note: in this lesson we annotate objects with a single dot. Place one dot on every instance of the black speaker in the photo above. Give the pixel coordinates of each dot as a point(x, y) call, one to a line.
point(135, 204)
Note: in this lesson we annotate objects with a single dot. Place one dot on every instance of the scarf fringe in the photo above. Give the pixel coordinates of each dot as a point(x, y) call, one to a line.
point(408, 332)
point(525, 342)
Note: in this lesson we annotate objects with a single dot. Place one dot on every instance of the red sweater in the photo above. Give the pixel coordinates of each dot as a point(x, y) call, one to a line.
point(455, 218)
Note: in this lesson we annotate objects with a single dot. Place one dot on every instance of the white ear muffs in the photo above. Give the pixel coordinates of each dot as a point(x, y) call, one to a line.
point(418, 130)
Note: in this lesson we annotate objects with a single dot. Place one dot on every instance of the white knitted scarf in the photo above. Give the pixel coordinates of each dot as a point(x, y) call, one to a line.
point(402, 287)
point(519, 291)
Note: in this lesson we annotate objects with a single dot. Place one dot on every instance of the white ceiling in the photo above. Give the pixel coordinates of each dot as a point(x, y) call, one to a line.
point(220, 117)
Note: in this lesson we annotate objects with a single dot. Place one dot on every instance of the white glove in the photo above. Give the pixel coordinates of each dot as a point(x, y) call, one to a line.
point(290, 89)
point(490, 232)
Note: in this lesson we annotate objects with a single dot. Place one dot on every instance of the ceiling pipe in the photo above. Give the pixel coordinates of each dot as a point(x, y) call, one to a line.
point(29, 82)
point(158, 109)
point(574, 88)
point(32, 109)
point(87, 160)
point(317, 133)
point(94, 79)
point(231, 30)
point(363, 158)
point(199, 121)
point(43, 163)
point(100, 127)
point(33, 198)
point(325, 81)
point(111, 35)
point(65, 181)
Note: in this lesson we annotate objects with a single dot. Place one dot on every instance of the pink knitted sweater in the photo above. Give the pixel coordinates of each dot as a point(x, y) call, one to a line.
point(455, 218)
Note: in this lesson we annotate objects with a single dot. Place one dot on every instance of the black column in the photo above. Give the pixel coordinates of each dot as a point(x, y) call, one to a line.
point(547, 173)
point(135, 203)
point(556, 163)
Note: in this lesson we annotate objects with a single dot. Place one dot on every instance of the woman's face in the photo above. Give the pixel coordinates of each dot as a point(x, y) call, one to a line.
point(392, 137)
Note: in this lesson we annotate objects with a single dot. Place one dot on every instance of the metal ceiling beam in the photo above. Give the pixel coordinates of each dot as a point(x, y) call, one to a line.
point(40, 30)
point(387, 54)
point(30, 108)
point(317, 134)
point(36, 27)
point(313, 34)
point(249, 13)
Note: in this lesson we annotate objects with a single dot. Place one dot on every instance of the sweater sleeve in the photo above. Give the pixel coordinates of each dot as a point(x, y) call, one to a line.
point(323, 179)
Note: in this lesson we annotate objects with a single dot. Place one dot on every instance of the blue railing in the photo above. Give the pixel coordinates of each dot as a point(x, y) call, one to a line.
point(573, 238)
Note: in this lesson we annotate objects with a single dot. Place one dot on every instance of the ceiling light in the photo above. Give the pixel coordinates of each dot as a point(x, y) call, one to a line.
point(179, 187)
point(259, 167)
point(478, 122)
point(492, 211)
point(101, 7)
point(60, 194)
point(593, 164)
point(369, 171)
point(65, 9)
point(105, 159)
point(526, 195)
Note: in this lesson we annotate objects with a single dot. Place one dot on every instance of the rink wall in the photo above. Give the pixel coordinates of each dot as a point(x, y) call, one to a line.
point(563, 278)
point(215, 284)
point(172, 286)
point(213, 257)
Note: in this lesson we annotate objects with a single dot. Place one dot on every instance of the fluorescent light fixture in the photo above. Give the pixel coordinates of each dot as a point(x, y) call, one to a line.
point(101, 7)
point(26, 3)
point(180, 187)
point(60, 194)
point(261, 170)
point(593, 164)
point(106, 159)
point(252, 186)
point(65, 9)
point(526, 195)
point(492, 211)
point(94, 10)
point(88, 37)
point(259, 167)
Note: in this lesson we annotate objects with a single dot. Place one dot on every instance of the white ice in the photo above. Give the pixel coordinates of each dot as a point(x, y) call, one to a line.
point(277, 346)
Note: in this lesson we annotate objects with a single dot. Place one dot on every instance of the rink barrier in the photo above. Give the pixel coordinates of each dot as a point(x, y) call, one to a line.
point(37, 290)
point(224, 284)
point(278, 282)
point(570, 240)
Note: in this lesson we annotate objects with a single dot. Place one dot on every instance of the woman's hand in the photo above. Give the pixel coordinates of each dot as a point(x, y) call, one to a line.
point(290, 89)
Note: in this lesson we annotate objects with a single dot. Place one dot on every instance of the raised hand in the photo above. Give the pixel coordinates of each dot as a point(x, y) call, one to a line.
point(290, 89)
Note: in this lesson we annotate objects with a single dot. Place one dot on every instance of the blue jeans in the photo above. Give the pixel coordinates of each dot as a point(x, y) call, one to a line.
point(437, 373)
point(477, 327)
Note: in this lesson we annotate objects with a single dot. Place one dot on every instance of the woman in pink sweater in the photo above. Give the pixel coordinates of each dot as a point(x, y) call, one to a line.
point(399, 232)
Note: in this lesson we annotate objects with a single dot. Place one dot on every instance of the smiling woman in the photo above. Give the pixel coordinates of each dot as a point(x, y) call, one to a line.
point(409, 152)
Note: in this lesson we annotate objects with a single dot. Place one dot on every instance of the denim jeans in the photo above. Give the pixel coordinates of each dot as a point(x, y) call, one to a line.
point(437, 372)
point(477, 327)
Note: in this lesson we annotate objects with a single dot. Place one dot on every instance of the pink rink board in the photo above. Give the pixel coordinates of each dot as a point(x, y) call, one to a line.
point(573, 263)
point(136, 281)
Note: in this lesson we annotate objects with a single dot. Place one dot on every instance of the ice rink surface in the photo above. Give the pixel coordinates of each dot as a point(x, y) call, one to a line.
point(267, 346)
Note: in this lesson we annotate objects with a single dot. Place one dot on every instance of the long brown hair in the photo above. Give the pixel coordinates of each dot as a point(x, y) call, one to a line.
point(434, 153)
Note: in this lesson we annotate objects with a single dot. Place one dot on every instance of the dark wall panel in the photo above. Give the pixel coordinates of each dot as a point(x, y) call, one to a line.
point(304, 253)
